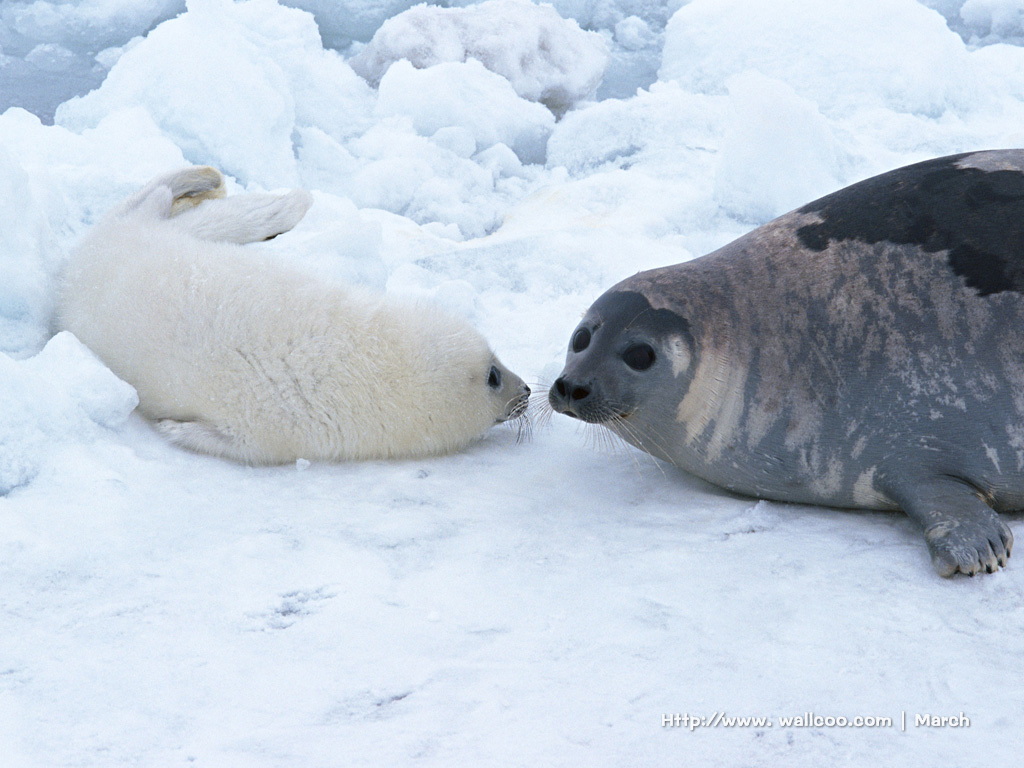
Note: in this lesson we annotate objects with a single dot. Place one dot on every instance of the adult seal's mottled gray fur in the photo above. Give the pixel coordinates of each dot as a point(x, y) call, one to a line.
point(866, 350)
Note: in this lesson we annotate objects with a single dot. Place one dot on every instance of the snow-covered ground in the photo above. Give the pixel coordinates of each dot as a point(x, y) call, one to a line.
point(538, 604)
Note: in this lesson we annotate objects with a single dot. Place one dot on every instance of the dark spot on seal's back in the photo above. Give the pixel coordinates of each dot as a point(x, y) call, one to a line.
point(976, 216)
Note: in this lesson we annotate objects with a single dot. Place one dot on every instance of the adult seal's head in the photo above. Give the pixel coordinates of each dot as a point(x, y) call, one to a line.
point(620, 357)
point(862, 351)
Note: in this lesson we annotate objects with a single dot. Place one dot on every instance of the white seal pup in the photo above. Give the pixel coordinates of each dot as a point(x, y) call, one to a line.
point(866, 350)
point(235, 355)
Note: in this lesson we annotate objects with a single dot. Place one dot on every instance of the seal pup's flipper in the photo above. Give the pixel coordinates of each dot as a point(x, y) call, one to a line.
point(188, 188)
point(245, 218)
point(202, 437)
point(195, 199)
point(964, 534)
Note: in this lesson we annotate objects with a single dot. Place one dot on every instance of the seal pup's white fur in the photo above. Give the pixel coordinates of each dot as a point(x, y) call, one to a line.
point(234, 355)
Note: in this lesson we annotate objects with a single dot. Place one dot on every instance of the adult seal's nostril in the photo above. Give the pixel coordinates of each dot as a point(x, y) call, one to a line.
point(570, 398)
point(862, 351)
point(578, 393)
point(568, 390)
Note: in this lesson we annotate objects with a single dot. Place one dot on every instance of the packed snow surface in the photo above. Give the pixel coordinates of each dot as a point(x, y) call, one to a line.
point(549, 602)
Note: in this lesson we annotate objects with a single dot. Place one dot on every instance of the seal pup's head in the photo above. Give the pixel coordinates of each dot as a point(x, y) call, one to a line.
point(436, 384)
point(623, 357)
point(509, 391)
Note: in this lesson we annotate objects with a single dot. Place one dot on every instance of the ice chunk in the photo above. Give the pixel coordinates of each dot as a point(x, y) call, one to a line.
point(466, 95)
point(829, 51)
point(994, 21)
point(236, 83)
point(48, 50)
point(26, 248)
point(546, 58)
point(342, 21)
point(778, 151)
point(62, 395)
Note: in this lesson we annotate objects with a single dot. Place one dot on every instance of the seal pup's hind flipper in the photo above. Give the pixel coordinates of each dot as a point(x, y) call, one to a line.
point(245, 218)
point(188, 188)
point(195, 199)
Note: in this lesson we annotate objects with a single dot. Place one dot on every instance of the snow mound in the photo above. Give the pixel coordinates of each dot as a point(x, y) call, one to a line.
point(546, 58)
point(778, 151)
point(304, 118)
point(63, 394)
point(428, 180)
point(663, 126)
point(840, 54)
point(26, 242)
point(200, 58)
point(466, 95)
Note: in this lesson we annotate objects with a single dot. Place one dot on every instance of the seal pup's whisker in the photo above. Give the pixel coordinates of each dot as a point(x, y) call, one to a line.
point(521, 423)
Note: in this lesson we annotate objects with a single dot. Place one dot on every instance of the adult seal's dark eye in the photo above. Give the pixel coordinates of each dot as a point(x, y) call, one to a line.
point(580, 340)
point(494, 378)
point(639, 357)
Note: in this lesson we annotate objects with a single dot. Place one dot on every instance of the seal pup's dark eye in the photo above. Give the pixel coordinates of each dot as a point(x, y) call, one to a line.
point(494, 378)
point(580, 340)
point(639, 357)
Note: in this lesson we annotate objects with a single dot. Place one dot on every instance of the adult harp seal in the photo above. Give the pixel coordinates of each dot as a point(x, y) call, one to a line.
point(865, 350)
